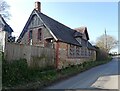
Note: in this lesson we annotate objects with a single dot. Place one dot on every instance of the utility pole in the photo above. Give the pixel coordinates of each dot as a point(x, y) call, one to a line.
point(105, 39)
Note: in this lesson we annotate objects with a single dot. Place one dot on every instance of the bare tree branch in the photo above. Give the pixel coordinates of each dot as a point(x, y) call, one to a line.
point(107, 42)
point(4, 9)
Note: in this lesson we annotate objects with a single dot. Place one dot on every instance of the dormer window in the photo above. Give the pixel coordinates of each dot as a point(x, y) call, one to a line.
point(77, 34)
point(79, 40)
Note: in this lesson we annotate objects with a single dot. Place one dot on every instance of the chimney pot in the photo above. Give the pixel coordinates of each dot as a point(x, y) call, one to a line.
point(38, 6)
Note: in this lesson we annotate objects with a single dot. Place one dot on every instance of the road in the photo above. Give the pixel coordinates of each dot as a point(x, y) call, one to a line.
point(88, 78)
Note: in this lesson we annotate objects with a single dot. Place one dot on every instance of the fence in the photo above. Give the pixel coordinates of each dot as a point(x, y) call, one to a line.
point(36, 56)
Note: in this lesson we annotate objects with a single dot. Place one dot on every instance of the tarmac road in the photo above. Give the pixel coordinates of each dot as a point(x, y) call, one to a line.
point(88, 78)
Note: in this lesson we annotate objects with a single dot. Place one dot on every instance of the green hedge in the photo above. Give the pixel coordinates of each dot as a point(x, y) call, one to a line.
point(17, 74)
point(14, 73)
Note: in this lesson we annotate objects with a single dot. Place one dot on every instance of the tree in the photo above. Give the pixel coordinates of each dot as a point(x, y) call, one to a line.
point(106, 42)
point(4, 9)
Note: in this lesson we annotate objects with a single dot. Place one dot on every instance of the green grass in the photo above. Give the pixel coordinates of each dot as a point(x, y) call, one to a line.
point(18, 75)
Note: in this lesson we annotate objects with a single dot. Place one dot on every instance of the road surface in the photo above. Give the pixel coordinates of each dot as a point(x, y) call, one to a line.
point(88, 78)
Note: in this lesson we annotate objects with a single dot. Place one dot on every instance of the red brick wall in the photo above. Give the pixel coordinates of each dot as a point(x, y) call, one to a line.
point(35, 40)
point(64, 61)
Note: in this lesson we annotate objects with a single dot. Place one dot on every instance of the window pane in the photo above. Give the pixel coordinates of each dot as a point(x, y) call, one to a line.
point(40, 34)
point(30, 34)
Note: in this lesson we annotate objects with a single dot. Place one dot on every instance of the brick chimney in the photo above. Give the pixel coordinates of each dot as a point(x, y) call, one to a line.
point(38, 6)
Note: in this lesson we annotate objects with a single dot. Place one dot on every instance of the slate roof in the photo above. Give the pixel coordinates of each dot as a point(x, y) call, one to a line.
point(77, 34)
point(87, 44)
point(5, 27)
point(61, 32)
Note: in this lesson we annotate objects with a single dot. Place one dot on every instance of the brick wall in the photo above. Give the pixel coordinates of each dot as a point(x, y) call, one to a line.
point(35, 40)
point(34, 26)
point(65, 61)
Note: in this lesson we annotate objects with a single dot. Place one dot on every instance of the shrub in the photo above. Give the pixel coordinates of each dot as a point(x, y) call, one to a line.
point(14, 73)
point(18, 73)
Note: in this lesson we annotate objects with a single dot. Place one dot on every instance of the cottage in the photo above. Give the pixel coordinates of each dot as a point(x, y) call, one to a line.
point(5, 33)
point(71, 45)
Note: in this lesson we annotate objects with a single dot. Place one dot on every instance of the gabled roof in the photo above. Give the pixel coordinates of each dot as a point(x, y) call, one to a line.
point(25, 27)
point(83, 30)
point(5, 27)
point(60, 31)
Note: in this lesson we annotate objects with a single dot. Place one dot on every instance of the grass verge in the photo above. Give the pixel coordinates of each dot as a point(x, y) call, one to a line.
point(17, 75)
